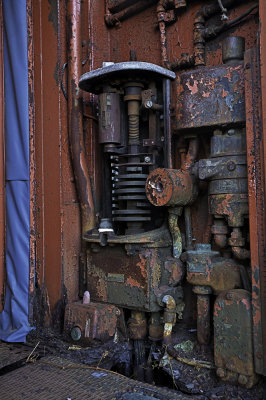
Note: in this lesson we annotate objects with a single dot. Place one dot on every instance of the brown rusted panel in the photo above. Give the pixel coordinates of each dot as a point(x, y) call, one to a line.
point(133, 279)
point(256, 192)
point(2, 170)
point(71, 250)
point(117, 278)
point(210, 97)
point(233, 349)
point(91, 321)
point(48, 150)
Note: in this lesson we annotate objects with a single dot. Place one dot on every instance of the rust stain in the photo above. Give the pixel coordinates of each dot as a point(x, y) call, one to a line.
point(193, 87)
point(224, 93)
point(142, 264)
point(132, 282)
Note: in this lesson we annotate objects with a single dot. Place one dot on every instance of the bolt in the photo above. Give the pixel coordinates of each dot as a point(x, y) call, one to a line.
point(148, 104)
point(147, 159)
point(242, 379)
point(76, 333)
point(231, 166)
point(229, 296)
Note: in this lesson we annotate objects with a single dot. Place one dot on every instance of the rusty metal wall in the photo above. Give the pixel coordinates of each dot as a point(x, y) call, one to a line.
point(2, 171)
point(56, 217)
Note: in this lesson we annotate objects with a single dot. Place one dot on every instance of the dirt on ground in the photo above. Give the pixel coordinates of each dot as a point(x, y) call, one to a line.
point(190, 372)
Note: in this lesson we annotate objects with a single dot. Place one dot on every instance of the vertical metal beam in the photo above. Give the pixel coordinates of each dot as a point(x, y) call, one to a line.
point(2, 170)
point(167, 124)
point(255, 162)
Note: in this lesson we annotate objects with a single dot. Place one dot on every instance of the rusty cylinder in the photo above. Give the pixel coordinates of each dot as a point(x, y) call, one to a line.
point(170, 187)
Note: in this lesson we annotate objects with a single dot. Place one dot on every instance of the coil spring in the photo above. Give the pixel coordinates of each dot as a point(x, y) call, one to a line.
point(129, 201)
point(133, 129)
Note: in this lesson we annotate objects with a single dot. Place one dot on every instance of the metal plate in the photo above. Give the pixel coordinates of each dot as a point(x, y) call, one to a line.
point(54, 378)
point(209, 97)
point(135, 69)
point(12, 353)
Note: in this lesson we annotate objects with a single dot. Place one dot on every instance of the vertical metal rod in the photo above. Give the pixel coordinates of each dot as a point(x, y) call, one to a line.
point(187, 212)
point(167, 124)
point(203, 318)
point(75, 118)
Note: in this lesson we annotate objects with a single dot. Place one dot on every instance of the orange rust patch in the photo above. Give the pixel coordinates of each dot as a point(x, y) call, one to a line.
point(224, 93)
point(193, 88)
point(142, 266)
point(131, 282)
point(247, 303)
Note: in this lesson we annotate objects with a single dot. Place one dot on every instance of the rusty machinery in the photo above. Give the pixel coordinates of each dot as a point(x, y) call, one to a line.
point(130, 262)
point(143, 249)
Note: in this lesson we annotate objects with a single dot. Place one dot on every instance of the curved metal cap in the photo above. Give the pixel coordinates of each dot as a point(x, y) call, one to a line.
point(93, 81)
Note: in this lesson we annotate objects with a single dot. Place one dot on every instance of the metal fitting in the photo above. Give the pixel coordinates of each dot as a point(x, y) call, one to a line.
point(137, 325)
point(171, 187)
point(168, 314)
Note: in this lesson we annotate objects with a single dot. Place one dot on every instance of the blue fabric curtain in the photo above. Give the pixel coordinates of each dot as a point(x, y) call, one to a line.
point(14, 325)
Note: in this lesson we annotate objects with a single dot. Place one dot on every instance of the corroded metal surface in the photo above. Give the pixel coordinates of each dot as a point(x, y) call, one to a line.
point(206, 268)
point(136, 278)
point(94, 320)
point(210, 97)
point(255, 160)
point(54, 378)
point(135, 69)
point(170, 187)
point(233, 349)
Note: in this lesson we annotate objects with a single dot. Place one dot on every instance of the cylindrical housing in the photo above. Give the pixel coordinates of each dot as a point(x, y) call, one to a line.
point(233, 49)
point(170, 187)
point(109, 118)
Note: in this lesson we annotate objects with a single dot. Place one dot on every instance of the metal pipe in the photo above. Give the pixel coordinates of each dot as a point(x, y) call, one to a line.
point(189, 240)
point(75, 118)
point(161, 10)
point(167, 124)
point(114, 19)
point(169, 318)
point(185, 61)
point(201, 16)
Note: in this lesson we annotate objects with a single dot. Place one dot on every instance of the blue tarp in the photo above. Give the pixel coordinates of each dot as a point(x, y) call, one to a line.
point(14, 324)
